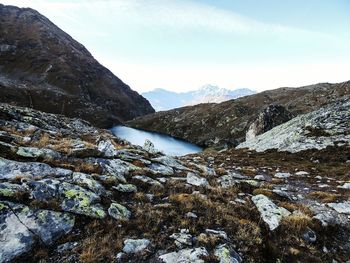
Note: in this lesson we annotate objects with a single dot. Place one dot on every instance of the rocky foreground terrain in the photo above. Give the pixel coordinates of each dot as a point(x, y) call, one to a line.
point(44, 68)
point(70, 192)
point(227, 123)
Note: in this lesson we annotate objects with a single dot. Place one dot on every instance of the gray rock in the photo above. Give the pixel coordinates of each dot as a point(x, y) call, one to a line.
point(148, 146)
point(309, 236)
point(196, 180)
point(282, 175)
point(182, 239)
point(342, 208)
point(345, 186)
point(156, 168)
point(86, 181)
point(32, 152)
point(20, 227)
point(11, 169)
point(218, 233)
point(147, 180)
point(116, 168)
point(270, 213)
point(170, 161)
point(319, 129)
point(80, 201)
point(11, 190)
point(225, 254)
point(119, 212)
point(44, 190)
point(125, 188)
point(132, 246)
point(191, 255)
point(107, 148)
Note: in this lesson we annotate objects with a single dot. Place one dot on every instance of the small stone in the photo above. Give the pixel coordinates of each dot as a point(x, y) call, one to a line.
point(191, 215)
point(345, 186)
point(125, 188)
point(301, 173)
point(149, 147)
point(119, 212)
point(225, 254)
point(191, 255)
point(132, 246)
point(260, 177)
point(196, 180)
point(283, 175)
point(183, 238)
point(309, 236)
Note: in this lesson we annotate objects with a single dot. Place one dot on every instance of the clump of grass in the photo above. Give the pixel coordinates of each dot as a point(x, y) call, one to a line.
point(324, 196)
point(263, 191)
point(297, 223)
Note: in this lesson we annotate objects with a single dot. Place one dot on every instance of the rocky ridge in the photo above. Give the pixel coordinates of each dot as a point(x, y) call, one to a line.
point(227, 123)
point(44, 68)
point(70, 192)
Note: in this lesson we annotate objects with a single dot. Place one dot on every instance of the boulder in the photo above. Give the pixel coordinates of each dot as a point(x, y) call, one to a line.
point(125, 188)
point(196, 180)
point(21, 227)
point(342, 208)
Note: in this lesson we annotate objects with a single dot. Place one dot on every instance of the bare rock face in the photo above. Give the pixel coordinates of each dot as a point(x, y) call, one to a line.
point(328, 126)
point(268, 118)
point(44, 68)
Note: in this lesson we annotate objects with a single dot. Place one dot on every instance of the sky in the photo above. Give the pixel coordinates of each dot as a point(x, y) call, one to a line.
point(181, 45)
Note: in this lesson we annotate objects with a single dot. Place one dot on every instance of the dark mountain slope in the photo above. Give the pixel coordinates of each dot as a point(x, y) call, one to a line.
point(228, 122)
point(44, 68)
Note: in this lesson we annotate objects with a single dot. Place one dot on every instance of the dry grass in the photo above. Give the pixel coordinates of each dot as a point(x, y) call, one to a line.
point(297, 223)
point(325, 197)
point(263, 191)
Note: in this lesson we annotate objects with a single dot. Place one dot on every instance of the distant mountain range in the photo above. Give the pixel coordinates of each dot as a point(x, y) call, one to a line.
point(162, 99)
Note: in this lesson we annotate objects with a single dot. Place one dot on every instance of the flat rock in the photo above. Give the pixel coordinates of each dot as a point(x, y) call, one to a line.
point(342, 208)
point(191, 255)
point(196, 180)
point(132, 246)
point(11, 169)
point(270, 213)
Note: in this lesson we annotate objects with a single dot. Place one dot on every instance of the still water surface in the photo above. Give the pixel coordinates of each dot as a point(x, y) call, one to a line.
point(164, 143)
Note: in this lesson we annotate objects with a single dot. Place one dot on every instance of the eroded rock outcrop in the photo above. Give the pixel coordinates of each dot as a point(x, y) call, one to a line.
point(328, 126)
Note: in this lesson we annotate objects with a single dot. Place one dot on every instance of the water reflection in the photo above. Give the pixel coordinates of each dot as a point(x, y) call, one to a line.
point(164, 143)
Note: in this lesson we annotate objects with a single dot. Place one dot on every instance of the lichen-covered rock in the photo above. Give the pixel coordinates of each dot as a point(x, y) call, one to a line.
point(119, 212)
point(270, 213)
point(44, 190)
point(125, 188)
point(11, 169)
point(20, 227)
point(196, 180)
point(88, 182)
point(11, 190)
point(33, 152)
point(328, 126)
point(190, 255)
point(170, 161)
point(116, 168)
point(80, 201)
point(225, 254)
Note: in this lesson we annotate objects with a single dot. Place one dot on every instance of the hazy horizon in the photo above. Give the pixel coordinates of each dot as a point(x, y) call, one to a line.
point(182, 45)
